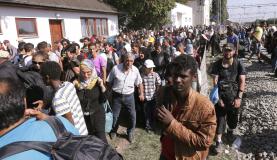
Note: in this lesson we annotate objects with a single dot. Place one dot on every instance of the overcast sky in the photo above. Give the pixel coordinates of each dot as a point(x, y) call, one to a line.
point(261, 9)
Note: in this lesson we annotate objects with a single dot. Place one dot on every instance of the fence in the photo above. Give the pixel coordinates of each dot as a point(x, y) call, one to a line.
point(203, 77)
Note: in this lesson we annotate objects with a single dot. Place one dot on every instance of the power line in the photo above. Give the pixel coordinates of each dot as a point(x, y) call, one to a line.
point(251, 6)
point(261, 13)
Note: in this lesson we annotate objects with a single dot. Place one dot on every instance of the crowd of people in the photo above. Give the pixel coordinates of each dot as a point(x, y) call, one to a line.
point(152, 75)
point(249, 39)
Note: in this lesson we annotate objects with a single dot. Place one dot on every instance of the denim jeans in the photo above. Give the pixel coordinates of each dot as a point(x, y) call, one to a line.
point(127, 101)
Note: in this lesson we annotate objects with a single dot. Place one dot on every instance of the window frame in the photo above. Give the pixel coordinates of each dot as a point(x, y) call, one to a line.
point(95, 32)
point(1, 31)
point(34, 22)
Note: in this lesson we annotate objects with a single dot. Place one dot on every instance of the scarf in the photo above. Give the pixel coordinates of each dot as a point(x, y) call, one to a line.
point(91, 82)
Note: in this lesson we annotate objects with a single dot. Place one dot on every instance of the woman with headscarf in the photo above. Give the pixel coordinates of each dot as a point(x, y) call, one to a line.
point(91, 92)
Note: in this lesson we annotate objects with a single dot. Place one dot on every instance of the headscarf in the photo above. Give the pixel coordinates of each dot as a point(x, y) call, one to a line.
point(90, 83)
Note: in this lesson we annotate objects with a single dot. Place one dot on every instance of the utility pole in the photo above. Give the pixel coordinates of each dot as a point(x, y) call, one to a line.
point(274, 17)
point(274, 14)
point(219, 12)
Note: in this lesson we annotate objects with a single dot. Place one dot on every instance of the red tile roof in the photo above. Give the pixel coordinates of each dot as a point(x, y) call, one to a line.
point(82, 5)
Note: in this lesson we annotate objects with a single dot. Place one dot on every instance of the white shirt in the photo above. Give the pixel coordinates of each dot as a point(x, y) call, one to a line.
point(27, 60)
point(54, 57)
point(124, 83)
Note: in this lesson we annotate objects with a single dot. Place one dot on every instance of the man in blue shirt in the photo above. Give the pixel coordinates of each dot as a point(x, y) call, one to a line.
point(233, 38)
point(15, 126)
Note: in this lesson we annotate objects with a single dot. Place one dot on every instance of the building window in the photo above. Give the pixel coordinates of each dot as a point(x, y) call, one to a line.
point(1, 25)
point(104, 27)
point(26, 27)
point(94, 26)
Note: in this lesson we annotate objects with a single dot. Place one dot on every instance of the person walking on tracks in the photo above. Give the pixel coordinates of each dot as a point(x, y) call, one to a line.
point(229, 74)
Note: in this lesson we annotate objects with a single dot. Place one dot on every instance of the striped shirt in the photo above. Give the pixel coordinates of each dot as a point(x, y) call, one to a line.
point(65, 101)
point(150, 83)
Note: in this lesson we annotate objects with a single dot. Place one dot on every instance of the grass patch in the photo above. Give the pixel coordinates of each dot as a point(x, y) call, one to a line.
point(146, 147)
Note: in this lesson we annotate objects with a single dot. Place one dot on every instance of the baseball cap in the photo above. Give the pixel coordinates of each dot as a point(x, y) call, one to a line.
point(190, 31)
point(229, 46)
point(149, 63)
point(4, 54)
point(151, 40)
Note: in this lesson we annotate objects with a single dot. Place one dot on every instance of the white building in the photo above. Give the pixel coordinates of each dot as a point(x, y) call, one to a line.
point(201, 11)
point(181, 16)
point(51, 20)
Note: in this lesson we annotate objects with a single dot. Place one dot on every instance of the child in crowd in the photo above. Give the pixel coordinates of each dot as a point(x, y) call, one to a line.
point(151, 84)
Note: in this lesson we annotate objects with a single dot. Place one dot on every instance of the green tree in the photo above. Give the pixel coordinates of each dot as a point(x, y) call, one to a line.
point(149, 14)
point(182, 1)
point(219, 12)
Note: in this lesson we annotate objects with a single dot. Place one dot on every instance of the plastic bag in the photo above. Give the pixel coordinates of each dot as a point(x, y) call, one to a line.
point(214, 97)
point(109, 116)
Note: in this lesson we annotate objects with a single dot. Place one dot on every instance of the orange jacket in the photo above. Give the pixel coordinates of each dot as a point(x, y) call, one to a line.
point(193, 128)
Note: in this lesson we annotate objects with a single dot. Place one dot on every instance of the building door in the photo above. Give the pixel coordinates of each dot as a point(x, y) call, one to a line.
point(56, 30)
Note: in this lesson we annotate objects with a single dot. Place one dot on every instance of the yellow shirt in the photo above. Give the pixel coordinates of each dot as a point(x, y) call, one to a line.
point(258, 33)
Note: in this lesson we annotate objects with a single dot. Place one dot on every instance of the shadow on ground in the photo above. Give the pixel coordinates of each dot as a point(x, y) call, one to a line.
point(265, 142)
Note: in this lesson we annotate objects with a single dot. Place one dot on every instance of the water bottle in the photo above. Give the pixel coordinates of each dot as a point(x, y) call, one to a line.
point(236, 144)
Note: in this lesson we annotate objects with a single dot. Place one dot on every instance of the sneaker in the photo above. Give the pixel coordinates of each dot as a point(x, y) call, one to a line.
point(230, 136)
point(218, 147)
point(147, 130)
point(112, 135)
point(130, 137)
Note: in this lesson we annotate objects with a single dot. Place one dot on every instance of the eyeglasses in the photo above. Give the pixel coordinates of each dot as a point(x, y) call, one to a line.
point(39, 63)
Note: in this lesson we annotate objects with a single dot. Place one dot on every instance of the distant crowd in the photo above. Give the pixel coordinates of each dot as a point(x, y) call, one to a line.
point(153, 75)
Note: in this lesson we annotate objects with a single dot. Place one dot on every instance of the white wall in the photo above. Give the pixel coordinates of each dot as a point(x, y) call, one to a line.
point(181, 15)
point(207, 5)
point(71, 21)
point(201, 13)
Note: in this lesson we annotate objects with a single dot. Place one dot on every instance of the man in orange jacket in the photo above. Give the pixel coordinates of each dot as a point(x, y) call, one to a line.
point(188, 117)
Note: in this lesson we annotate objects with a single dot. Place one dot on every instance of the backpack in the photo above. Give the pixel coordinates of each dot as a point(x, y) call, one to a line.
point(32, 81)
point(67, 146)
point(30, 78)
point(21, 61)
point(228, 88)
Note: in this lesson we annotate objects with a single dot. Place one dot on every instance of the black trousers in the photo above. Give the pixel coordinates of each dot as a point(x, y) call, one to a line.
point(228, 114)
point(96, 124)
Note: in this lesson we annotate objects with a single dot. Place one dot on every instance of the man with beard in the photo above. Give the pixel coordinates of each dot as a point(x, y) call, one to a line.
point(188, 118)
point(229, 74)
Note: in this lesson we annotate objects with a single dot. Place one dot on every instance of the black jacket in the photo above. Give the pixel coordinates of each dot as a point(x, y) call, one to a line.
point(161, 60)
point(91, 99)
